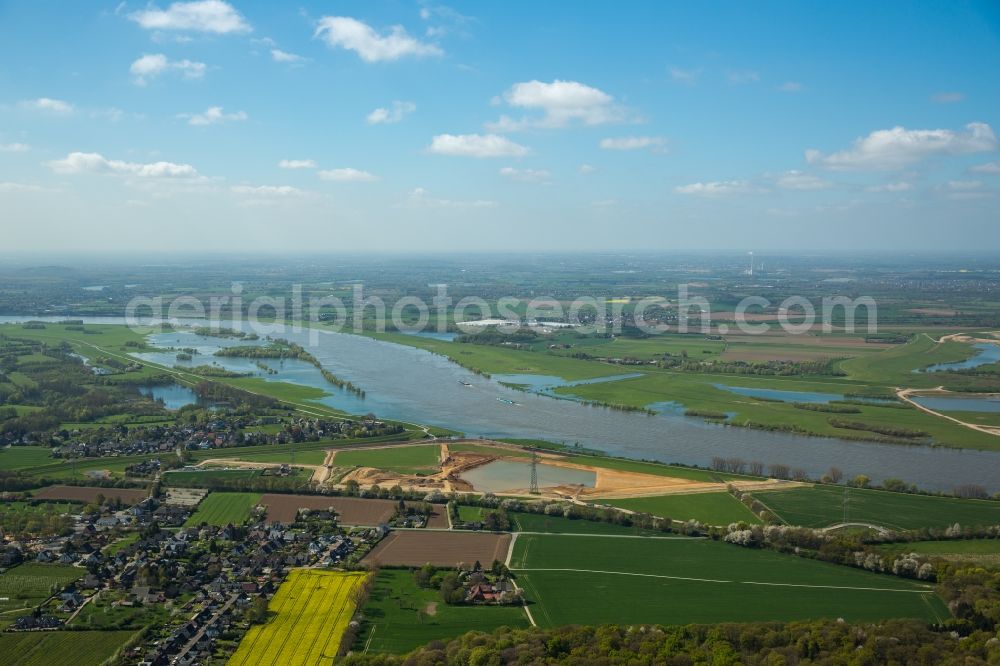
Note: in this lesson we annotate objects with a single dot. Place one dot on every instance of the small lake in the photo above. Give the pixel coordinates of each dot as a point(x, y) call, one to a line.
point(986, 353)
point(174, 396)
point(547, 384)
point(958, 404)
point(784, 396)
point(505, 475)
point(447, 336)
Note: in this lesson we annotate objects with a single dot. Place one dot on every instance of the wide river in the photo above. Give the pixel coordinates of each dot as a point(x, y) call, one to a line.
point(409, 384)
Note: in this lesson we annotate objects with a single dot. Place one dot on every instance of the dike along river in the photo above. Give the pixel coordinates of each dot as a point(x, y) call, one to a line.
point(409, 384)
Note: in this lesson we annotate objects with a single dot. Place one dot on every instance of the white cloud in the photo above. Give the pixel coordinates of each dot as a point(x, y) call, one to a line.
point(213, 115)
point(743, 77)
point(686, 76)
point(632, 142)
point(989, 167)
point(947, 97)
point(392, 114)
point(111, 114)
point(19, 187)
point(796, 180)
point(267, 190)
point(297, 164)
point(419, 199)
point(899, 147)
point(790, 87)
point(77, 163)
point(351, 34)
point(526, 175)
point(964, 185)
point(899, 186)
point(716, 189)
point(562, 103)
point(587, 168)
point(448, 19)
point(49, 105)
point(150, 66)
point(14, 147)
point(348, 174)
point(476, 145)
point(284, 56)
point(199, 16)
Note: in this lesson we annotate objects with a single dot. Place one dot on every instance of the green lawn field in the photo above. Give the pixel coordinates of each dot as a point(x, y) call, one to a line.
point(278, 454)
point(897, 364)
point(984, 552)
point(586, 580)
point(29, 584)
point(405, 460)
point(470, 513)
point(400, 616)
point(709, 508)
point(22, 457)
point(224, 508)
point(820, 506)
point(81, 648)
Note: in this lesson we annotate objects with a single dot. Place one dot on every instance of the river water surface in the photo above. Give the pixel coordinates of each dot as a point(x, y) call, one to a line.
point(409, 384)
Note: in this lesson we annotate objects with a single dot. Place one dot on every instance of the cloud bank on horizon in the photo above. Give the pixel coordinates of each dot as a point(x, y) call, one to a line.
point(423, 126)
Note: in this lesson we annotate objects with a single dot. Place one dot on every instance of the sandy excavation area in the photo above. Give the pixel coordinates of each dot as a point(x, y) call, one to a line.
point(609, 483)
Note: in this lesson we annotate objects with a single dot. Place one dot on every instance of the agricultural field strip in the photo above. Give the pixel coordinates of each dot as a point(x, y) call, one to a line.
point(506, 563)
point(286, 622)
point(733, 582)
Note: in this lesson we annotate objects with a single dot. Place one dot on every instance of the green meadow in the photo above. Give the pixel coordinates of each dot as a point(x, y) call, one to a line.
point(419, 458)
point(710, 508)
point(220, 508)
point(821, 506)
point(400, 616)
point(587, 580)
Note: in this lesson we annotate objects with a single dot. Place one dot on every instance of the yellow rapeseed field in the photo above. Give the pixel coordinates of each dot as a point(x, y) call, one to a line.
point(310, 613)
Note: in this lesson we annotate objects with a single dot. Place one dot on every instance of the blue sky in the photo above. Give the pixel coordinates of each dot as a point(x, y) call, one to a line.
point(503, 126)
